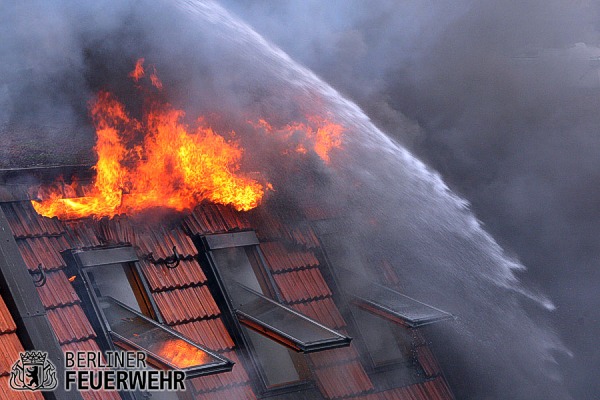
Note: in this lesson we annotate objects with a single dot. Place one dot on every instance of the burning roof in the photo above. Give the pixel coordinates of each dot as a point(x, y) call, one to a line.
point(160, 161)
point(186, 304)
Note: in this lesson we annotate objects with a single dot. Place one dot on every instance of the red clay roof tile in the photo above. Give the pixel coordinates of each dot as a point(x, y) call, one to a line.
point(160, 243)
point(190, 307)
point(185, 305)
point(70, 324)
point(234, 393)
point(90, 345)
point(10, 347)
point(302, 285)
point(236, 377)
point(435, 389)
point(117, 230)
point(323, 311)
point(160, 277)
point(304, 235)
point(85, 345)
point(211, 218)
point(371, 396)
point(7, 325)
point(281, 259)
point(25, 222)
point(57, 291)
point(332, 357)
point(210, 333)
point(80, 234)
point(389, 273)
point(270, 227)
point(43, 250)
point(427, 361)
point(343, 380)
point(16, 395)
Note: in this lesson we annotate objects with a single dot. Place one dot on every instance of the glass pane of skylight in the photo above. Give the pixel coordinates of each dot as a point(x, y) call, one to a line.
point(133, 331)
point(284, 324)
point(388, 303)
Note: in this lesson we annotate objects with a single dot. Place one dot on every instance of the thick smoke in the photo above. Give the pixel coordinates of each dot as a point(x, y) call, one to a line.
point(504, 98)
point(440, 77)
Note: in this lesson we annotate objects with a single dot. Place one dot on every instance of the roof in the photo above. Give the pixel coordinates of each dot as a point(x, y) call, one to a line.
point(10, 347)
point(186, 303)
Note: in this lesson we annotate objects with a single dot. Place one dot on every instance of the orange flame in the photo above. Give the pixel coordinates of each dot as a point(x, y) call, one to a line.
point(181, 354)
point(171, 167)
point(138, 72)
point(320, 134)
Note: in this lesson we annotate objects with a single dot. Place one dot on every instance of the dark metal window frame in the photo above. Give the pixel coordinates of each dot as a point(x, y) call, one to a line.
point(81, 262)
point(378, 372)
point(207, 243)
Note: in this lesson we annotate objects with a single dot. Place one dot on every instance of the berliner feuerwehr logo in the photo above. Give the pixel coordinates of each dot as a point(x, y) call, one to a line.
point(33, 371)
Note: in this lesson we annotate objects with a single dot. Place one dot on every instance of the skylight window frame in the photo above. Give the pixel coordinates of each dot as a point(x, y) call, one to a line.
point(378, 371)
point(249, 241)
point(81, 262)
point(159, 362)
point(237, 320)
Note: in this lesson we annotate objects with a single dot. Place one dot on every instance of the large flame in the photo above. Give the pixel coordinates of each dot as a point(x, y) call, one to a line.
point(170, 166)
point(159, 161)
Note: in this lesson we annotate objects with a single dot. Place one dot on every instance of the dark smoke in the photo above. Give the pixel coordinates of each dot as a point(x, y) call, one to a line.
point(495, 95)
point(504, 97)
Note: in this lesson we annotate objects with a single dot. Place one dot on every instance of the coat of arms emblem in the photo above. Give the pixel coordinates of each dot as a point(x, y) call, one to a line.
point(33, 371)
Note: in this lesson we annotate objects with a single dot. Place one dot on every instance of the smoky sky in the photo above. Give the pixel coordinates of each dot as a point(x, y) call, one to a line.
point(498, 96)
point(502, 98)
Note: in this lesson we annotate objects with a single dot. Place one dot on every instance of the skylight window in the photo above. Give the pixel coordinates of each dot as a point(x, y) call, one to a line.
point(267, 325)
point(115, 297)
point(388, 303)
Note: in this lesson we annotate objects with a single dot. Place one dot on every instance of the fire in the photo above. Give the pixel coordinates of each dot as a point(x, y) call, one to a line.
point(320, 134)
point(138, 72)
point(157, 161)
point(181, 354)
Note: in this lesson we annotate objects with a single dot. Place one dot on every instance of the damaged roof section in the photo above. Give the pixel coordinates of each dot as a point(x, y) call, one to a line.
point(185, 298)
